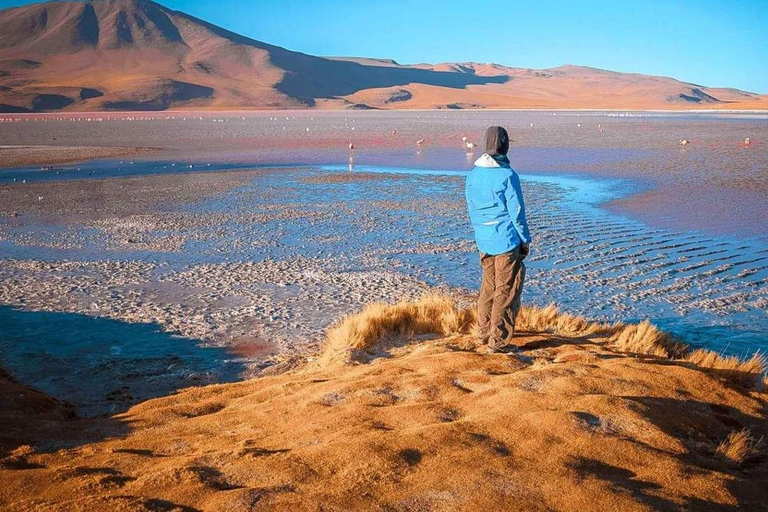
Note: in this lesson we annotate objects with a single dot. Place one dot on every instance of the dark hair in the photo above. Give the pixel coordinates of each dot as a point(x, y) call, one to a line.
point(496, 141)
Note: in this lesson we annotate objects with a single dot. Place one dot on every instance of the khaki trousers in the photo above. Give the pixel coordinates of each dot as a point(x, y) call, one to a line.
point(500, 293)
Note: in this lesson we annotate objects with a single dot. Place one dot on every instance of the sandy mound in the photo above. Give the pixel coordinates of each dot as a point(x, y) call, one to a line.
point(398, 413)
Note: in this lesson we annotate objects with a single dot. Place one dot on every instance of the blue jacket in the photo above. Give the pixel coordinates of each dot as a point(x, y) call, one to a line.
point(496, 207)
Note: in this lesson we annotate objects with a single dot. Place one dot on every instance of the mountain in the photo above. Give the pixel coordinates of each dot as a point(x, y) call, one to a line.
point(138, 55)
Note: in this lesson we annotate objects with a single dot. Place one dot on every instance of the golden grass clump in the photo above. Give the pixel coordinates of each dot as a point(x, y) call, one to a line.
point(550, 319)
point(643, 338)
point(749, 373)
point(740, 447)
point(646, 338)
point(379, 325)
point(362, 332)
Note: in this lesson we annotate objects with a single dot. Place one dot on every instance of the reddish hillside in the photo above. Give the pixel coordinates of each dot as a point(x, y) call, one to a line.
point(139, 55)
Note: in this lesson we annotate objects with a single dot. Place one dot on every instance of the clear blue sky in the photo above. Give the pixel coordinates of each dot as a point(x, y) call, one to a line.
point(709, 42)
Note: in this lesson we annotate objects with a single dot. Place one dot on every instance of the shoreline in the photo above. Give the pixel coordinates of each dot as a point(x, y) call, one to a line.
point(86, 260)
point(28, 155)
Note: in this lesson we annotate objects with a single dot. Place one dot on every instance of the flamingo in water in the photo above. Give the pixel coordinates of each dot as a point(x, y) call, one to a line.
point(420, 141)
point(469, 145)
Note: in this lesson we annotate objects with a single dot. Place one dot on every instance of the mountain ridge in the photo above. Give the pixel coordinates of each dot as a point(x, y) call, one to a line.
point(102, 55)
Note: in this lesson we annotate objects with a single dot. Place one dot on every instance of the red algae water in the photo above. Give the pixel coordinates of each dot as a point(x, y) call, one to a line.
point(644, 147)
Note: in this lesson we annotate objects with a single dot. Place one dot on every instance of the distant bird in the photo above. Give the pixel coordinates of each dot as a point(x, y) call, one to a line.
point(464, 139)
point(747, 142)
point(471, 146)
point(684, 142)
point(420, 141)
point(351, 146)
point(394, 132)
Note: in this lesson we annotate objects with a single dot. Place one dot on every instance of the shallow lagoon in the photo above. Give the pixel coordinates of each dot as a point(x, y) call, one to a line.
point(268, 263)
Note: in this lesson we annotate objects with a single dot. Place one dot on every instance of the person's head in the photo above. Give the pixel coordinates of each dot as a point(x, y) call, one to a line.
point(496, 141)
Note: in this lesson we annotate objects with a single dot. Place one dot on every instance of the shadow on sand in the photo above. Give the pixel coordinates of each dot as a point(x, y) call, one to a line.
point(699, 426)
point(104, 366)
point(63, 369)
point(310, 77)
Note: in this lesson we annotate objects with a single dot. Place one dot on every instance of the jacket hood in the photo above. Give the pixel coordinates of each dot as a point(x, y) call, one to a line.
point(487, 160)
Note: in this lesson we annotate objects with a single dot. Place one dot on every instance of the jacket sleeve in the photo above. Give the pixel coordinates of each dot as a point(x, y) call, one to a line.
point(516, 207)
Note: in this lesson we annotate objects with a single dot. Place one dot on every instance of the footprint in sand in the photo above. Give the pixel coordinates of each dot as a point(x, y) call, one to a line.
point(202, 410)
point(411, 456)
point(494, 444)
point(212, 477)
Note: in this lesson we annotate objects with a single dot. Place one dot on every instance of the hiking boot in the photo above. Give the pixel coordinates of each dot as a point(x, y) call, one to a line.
point(486, 349)
point(508, 349)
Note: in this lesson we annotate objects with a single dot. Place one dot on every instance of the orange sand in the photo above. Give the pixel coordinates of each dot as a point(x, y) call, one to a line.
point(419, 422)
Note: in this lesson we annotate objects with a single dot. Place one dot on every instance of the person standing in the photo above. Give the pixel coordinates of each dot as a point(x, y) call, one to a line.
point(497, 212)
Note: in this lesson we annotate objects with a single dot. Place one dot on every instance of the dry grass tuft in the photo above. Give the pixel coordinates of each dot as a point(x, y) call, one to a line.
point(550, 319)
point(646, 338)
point(643, 338)
point(379, 325)
point(361, 333)
point(748, 373)
point(740, 448)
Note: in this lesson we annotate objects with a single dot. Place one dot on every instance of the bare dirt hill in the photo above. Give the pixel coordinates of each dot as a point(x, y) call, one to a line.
point(138, 55)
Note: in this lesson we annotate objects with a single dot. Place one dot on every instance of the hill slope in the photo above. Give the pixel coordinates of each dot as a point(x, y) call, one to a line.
point(381, 422)
point(139, 55)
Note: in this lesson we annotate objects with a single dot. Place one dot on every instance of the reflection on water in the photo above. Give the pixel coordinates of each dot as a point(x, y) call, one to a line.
point(104, 365)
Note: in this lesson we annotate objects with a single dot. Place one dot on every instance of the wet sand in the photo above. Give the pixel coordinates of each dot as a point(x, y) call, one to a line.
point(159, 250)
